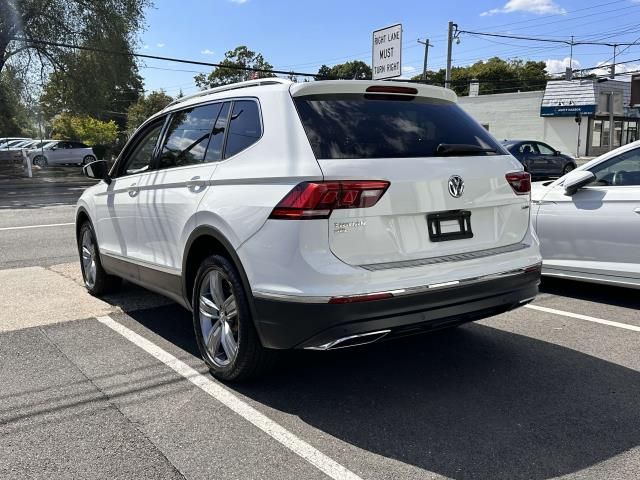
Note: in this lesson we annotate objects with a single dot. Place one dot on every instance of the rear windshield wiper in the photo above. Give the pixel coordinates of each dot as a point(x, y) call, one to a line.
point(445, 149)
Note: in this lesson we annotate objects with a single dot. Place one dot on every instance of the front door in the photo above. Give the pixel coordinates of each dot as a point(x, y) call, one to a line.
point(596, 230)
point(117, 207)
point(58, 153)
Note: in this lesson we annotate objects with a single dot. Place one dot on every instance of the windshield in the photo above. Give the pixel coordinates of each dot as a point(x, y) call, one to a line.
point(389, 126)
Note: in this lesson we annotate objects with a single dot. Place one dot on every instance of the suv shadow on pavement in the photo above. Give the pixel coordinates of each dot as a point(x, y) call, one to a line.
point(474, 402)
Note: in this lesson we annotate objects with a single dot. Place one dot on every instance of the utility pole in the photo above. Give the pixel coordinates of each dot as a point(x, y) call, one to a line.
point(569, 73)
point(613, 64)
point(611, 129)
point(426, 56)
point(453, 28)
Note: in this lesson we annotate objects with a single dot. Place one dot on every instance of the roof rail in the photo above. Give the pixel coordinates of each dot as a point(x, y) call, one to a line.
point(232, 86)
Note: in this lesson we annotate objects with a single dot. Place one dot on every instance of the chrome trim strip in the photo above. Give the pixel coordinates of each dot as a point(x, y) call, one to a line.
point(398, 292)
point(142, 263)
point(335, 344)
point(458, 257)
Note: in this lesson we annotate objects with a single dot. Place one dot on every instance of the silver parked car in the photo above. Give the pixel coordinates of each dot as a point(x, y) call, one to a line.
point(588, 221)
point(62, 153)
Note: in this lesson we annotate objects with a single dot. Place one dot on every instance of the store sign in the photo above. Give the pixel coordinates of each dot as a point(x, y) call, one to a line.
point(387, 52)
point(568, 110)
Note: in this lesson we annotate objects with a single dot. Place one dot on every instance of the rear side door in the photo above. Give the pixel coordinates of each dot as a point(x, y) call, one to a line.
point(190, 147)
point(526, 153)
point(597, 229)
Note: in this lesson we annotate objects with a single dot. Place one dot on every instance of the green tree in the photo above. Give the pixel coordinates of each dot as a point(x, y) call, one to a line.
point(145, 107)
point(495, 75)
point(232, 71)
point(65, 21)
point(91, 83)
point(15, 116)
point(354, 70)
point(85, 129)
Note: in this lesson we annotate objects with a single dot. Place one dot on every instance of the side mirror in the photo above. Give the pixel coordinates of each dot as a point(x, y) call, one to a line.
point(556, 153)
point(98, 170)
point(54, 148)
point(577, 179)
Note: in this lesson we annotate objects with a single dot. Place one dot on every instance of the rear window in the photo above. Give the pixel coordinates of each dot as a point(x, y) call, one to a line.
point(387, 126)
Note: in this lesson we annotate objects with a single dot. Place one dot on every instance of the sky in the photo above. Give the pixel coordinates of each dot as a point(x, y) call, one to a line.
point(301, 36)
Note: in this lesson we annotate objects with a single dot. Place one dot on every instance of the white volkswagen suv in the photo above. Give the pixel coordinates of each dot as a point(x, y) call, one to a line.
point(312, 215)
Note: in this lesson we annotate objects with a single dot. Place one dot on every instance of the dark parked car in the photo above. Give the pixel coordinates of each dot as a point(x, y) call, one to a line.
point(539, 159)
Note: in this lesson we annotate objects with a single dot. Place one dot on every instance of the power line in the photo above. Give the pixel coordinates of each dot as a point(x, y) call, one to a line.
point(156, 57)
point(547, 40)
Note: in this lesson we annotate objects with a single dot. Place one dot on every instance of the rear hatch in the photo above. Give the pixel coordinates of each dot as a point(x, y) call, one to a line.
point(448, 189)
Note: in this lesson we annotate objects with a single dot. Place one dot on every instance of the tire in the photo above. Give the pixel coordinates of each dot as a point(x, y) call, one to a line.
point(40, 161)
point(567, 168)
point(224, 319)
point(88, 159)
point(96, 280)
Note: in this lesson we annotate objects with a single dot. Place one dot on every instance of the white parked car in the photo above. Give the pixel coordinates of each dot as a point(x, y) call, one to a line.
point(62, 152)
point(588, 221)
point(312, 215)
point(4, 141)
point(12, 151)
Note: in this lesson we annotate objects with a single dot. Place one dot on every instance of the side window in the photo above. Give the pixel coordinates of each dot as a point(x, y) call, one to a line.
point(622, 170)
point(188, 135)
point(245, 127)
point(139, 157)
point(214, 150)
point(527, 148)
point(545, 149)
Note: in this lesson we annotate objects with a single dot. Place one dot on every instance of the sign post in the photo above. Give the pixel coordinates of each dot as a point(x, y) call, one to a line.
point(387, 52)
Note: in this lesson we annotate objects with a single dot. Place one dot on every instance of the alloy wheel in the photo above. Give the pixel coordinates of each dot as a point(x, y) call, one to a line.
point(89, 259)
point(218, 318)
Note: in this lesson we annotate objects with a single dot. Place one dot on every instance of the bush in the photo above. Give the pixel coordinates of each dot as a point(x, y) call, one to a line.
point(85, 129)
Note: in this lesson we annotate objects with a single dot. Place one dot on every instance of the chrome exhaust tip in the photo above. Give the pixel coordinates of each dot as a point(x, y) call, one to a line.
point(351, 341)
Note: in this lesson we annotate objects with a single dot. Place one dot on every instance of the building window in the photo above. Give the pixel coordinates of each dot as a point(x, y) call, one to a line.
point(596, 136)
point(617, 133)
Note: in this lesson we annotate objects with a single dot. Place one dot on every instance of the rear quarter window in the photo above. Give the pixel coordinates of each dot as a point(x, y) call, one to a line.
point(348, 126)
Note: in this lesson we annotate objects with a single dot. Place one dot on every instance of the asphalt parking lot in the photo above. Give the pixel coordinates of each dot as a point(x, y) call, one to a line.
point(115, 389)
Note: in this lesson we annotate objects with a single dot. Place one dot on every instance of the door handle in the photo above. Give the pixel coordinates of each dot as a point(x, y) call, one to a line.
point(133, 190)
point(195, 183)
point(637, 210)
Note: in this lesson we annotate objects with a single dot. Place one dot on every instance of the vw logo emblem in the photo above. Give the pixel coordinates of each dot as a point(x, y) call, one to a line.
point(456, 186)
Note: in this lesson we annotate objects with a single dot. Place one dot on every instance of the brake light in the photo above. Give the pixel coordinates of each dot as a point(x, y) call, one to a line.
point(392, 89)
point(520, 182)
point(313, 200)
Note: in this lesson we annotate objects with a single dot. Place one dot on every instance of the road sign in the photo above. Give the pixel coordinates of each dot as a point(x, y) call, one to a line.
point(387, 52)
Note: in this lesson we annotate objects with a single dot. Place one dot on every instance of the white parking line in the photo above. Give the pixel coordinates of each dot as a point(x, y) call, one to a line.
point(237, 405)
point(37, 226)
point(584, 317)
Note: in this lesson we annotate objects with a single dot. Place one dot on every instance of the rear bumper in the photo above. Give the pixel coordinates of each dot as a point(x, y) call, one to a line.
point(284, 323)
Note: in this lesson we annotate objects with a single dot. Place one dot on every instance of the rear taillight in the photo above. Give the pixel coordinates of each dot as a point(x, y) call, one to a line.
point(312, 200)
point(520, 182)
